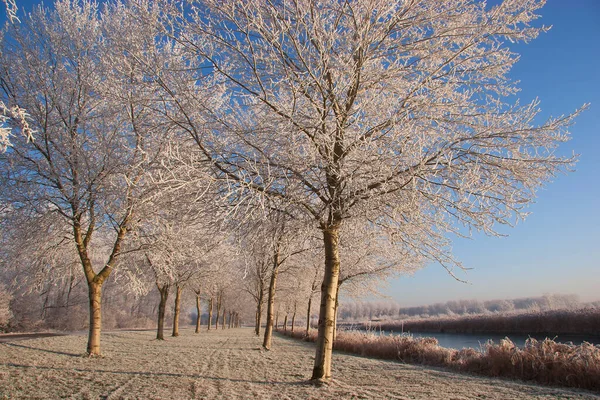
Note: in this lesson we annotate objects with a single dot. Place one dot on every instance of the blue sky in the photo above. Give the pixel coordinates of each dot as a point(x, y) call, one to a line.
point(557, 249)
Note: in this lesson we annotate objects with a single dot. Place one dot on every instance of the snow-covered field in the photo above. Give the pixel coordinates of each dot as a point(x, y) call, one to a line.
point(227, 364)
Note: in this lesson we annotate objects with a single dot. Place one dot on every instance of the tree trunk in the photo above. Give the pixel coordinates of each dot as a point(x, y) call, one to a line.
point(258, 315)
point(177, 311)
point(294, 317)
point(95, 281)
point(322, 368)
point(219, 296)
point(230, 320)
point(95, 298)
point(335, 314)
point(223, 319)
point(257, 323)
point(308, 315)
point(210, 312)
point(164, 294)
point(198, 309)
point(285, 322)
point(271, 302)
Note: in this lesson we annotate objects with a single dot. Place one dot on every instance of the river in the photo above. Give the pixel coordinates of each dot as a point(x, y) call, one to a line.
point(462, 340)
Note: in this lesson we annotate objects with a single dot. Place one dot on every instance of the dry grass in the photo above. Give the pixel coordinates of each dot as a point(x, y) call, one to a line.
point(545, 362)
point(228, 364)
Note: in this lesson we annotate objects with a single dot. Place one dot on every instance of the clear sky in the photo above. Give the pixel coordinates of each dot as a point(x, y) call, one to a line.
point(557, 249)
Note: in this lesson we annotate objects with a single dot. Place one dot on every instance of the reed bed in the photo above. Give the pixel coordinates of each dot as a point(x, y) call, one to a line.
point(546, 362)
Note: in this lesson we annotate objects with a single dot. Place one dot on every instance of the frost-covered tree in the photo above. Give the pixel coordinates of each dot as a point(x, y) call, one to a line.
point(209, 262)
point(256, 267)
point(313, 275)
point(401, 113)
point(74, 69)
point(285, 239)
point(39, 262)
point(172, 249)
point(11, 10)
point(12, 115)
point(5, 312)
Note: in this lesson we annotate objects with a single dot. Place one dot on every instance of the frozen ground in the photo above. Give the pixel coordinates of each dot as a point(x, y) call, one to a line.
point(227, 364)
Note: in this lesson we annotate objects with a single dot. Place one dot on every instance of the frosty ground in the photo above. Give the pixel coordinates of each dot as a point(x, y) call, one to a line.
point(227, 364)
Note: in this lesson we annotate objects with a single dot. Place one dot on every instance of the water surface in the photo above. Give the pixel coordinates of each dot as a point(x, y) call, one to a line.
point(476, 340)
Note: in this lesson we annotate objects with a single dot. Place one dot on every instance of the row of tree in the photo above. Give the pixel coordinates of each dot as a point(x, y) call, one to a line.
point(184, 140)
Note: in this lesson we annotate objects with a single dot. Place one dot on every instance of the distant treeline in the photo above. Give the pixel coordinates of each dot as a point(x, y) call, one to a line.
point(584, 321)
point(360, 310)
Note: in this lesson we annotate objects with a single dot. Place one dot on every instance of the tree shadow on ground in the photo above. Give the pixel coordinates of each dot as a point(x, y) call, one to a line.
point(44, 350)
point(155, 374)
point(11, 337)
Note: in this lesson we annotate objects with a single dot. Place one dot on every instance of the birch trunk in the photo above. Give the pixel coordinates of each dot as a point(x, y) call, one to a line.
point(223, 319)
point(164, 295)
point(177, 311)
point(322, 367)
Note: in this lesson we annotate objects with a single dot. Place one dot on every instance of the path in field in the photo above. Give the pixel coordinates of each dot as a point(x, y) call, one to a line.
point(227, 364)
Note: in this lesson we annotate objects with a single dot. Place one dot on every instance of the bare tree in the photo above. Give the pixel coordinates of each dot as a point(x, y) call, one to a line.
point(395, 112)
point(163, 283)
point(95, 134)
point(257, 265)
point(285, 239)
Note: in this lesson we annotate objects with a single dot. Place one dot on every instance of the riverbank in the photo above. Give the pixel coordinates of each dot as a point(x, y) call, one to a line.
point(229, 364)
point(585, 321)
point(545, 362)
point(477, 341)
